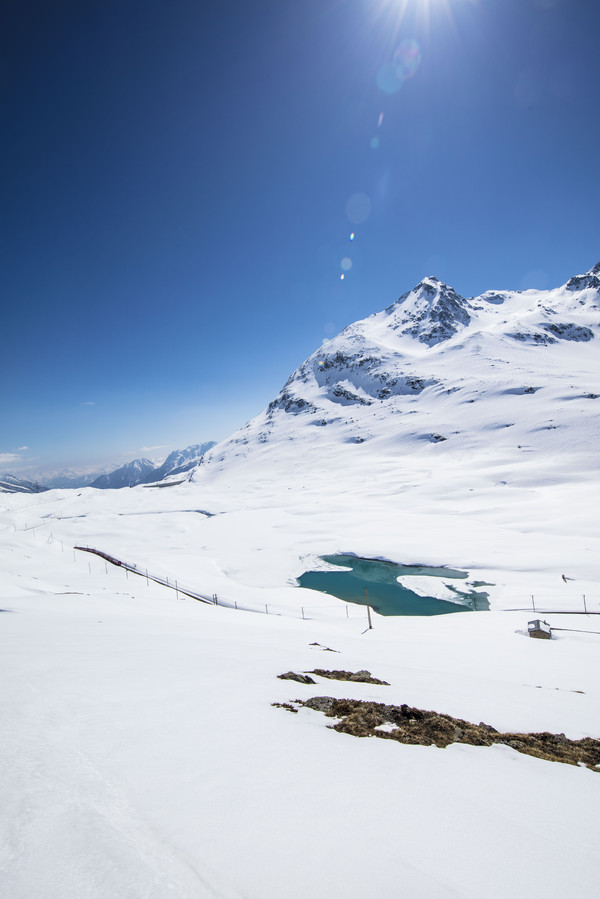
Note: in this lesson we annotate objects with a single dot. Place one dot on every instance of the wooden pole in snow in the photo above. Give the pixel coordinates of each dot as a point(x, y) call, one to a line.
point(368, 609)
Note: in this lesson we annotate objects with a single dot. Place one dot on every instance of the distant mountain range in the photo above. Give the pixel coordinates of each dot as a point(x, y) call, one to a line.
point(143, 471)
point(11, 484)
point(126, 476)
point(139, 471)
point(71, 478)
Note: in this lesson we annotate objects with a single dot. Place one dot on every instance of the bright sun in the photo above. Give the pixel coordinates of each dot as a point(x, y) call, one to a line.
point(397, 12)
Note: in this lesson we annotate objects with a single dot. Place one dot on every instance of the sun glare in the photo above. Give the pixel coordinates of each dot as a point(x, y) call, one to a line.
point(421, 11)
point(415, 17)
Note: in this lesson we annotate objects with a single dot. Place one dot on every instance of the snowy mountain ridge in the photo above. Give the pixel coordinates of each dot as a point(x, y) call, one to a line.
point(508, 372)
point(144, 471)
point(138, 471)
point(178, 462)
point(10, 483)
point(126, 476)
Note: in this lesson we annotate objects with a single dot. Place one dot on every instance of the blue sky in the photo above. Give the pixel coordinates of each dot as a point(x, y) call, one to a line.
point(180, 183)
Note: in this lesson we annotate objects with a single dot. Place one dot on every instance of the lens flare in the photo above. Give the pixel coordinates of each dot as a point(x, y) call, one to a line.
point(358, 208)
point(352, 236)
point(387, 79)
point(374, 143)
point(392, 75)
point(346, 263)
point(407, 58)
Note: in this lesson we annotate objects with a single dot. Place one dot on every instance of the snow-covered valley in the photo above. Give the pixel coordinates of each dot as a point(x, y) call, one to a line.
point(141, 752)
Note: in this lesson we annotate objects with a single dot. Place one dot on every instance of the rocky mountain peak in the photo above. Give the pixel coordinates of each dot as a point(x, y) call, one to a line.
point(590, 278)
point(431, 312)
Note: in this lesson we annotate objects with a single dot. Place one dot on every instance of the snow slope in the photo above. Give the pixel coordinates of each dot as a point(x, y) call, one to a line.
point(141, 755)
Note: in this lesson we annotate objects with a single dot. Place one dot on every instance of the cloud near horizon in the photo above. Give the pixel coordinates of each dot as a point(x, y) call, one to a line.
point(14, 459)
point(9, 458)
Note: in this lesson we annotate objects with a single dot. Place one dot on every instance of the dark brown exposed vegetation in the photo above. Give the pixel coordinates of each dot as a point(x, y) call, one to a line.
point(361, 677)
point(425, 728)
point(300, 678)
point(285, 705)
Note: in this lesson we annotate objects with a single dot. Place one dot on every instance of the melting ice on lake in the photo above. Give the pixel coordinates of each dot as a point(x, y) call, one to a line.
point(355, 577)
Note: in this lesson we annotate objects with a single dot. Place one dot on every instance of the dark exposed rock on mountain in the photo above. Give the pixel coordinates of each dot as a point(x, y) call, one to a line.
point(431, 312)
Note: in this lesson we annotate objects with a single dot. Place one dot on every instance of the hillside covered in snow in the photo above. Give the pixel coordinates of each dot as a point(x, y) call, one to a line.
point(151, 747)
point(509, 380)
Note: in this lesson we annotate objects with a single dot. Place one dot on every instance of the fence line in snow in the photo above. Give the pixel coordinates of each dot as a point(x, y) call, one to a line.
point(214, 598)
point(543, 608)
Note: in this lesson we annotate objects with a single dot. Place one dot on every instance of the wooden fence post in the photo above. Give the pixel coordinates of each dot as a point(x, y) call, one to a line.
point(368, 609)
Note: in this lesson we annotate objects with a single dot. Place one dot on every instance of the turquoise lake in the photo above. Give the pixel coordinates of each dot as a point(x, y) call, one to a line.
point(386, 595)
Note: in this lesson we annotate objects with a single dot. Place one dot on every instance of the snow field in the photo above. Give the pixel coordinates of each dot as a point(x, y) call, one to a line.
point(143, 756)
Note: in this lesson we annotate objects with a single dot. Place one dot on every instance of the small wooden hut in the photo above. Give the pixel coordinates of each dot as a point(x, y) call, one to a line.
point(539, 629)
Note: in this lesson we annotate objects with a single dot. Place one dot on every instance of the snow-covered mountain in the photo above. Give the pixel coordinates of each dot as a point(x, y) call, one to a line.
point(507, 379)
point(72, 479)
point(145, 471)
point(177, 462)
point(127, 476)
point(138, 471)
point(11, 484)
